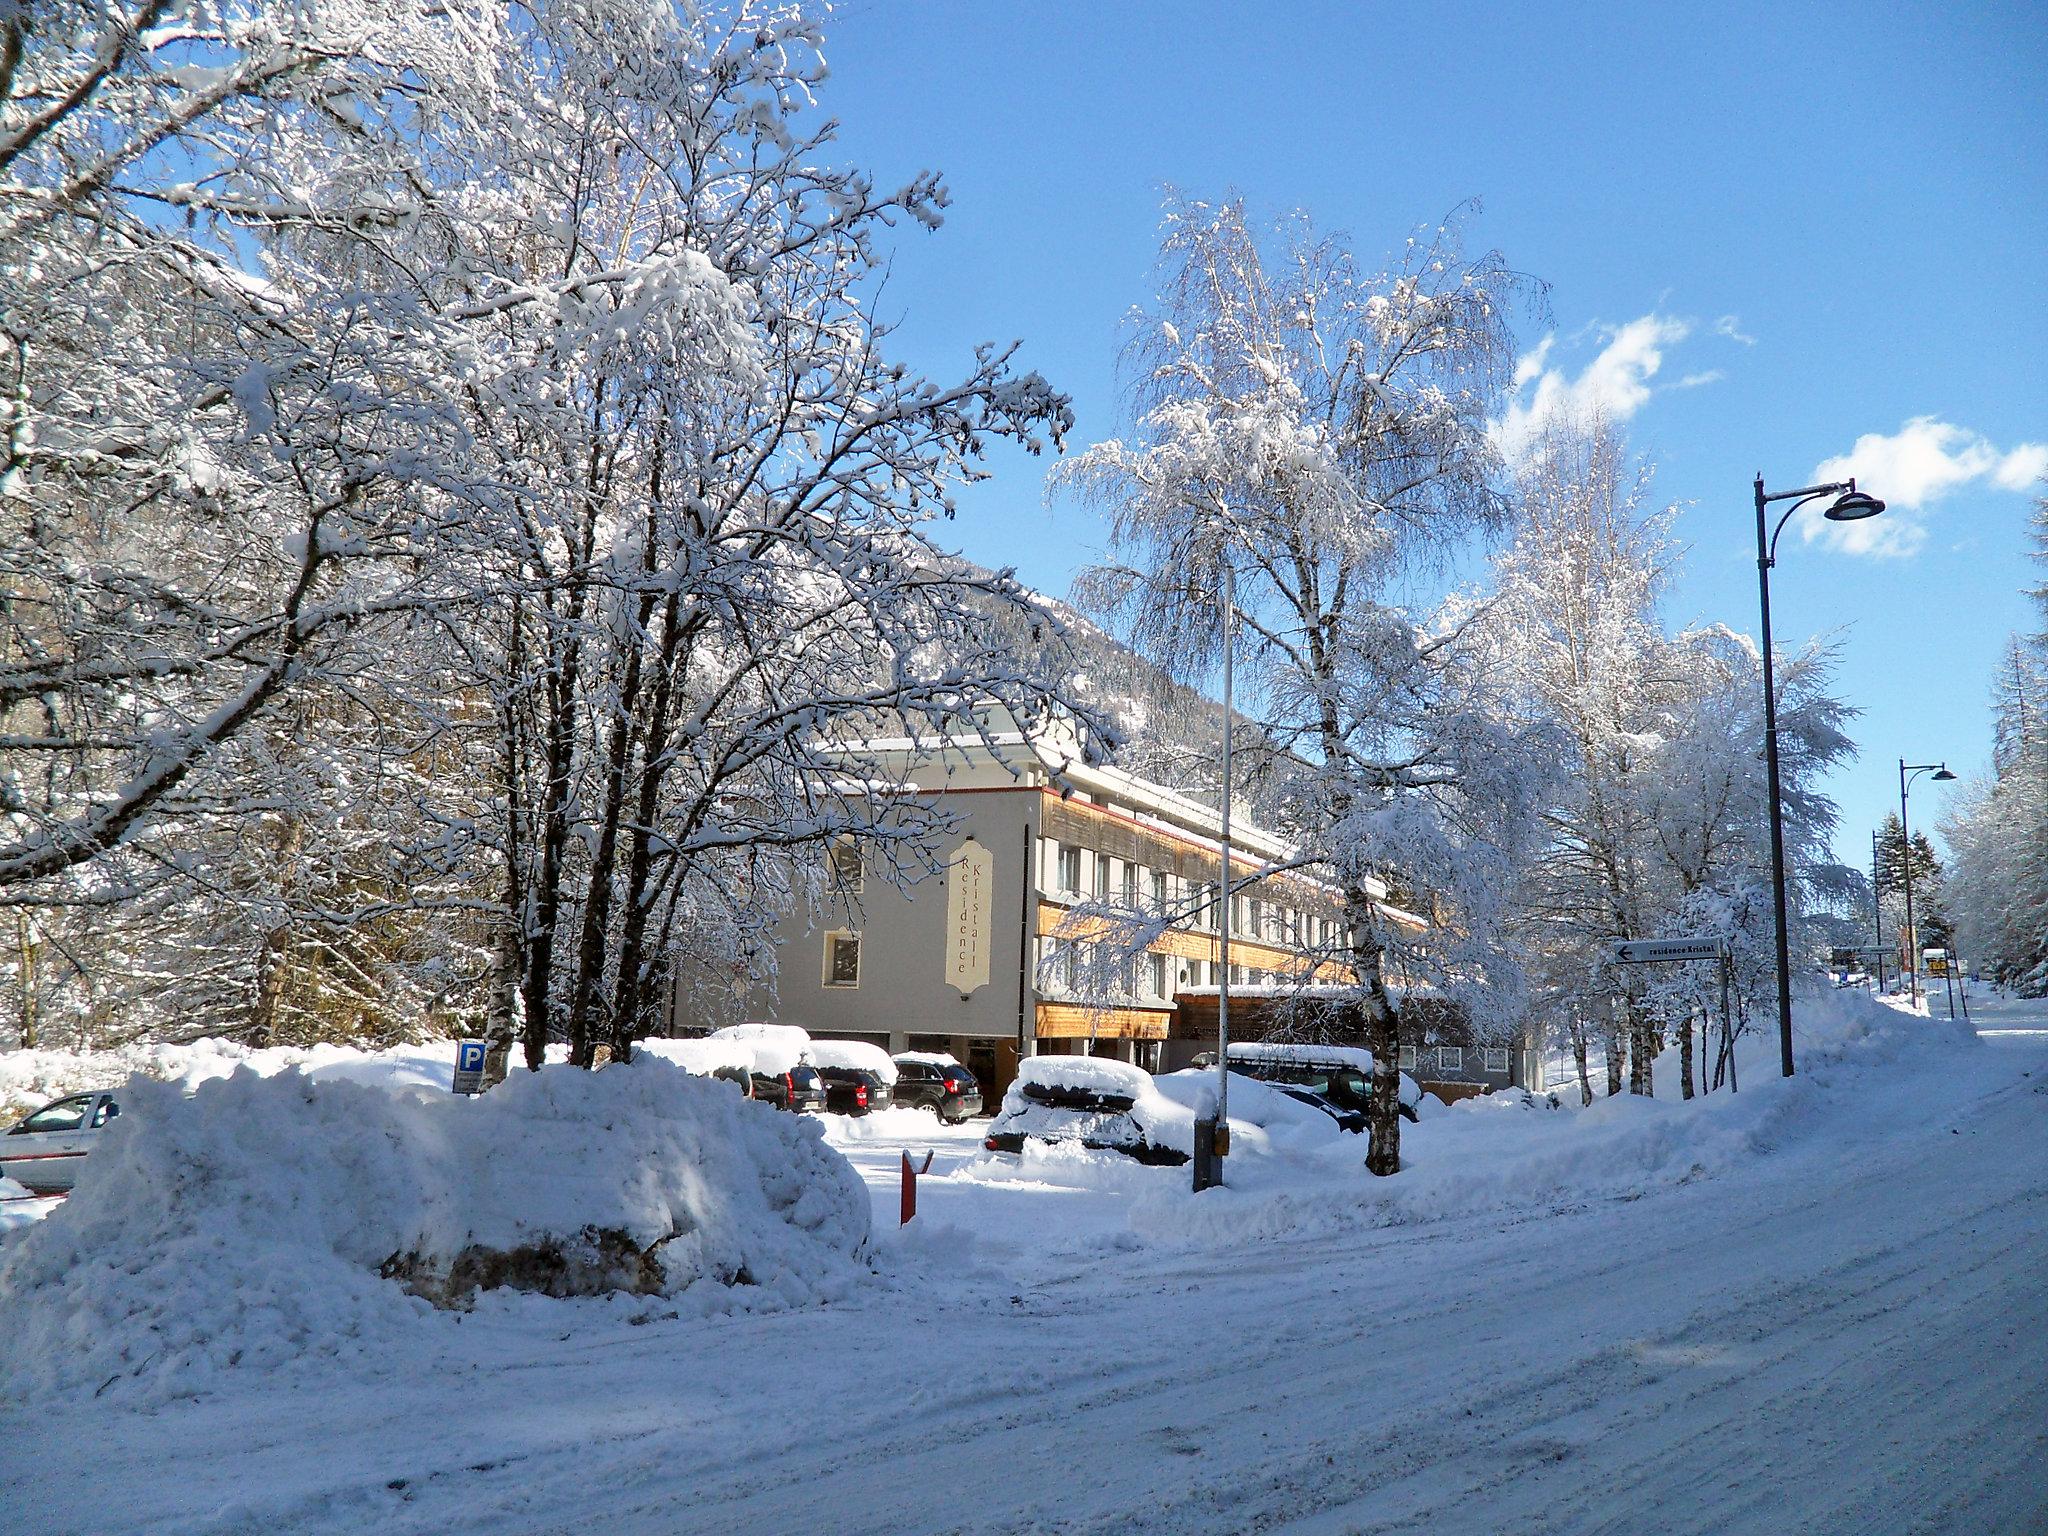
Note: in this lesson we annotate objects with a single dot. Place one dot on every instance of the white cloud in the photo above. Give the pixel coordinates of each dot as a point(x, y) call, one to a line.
point(1616, 383)
point(1731, 327)
point(1911, 470)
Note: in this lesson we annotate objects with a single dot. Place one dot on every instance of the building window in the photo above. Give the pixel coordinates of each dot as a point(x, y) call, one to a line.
point(1450, 1058)
point(1102, 877)
point(1158, 890)
point(1069, 870)
point(1407, 1058)
point(1496, 1059)
point(1131, 887)
point(1056, 966)
point(846, 870)
point(1161, 978)
point(842, 958)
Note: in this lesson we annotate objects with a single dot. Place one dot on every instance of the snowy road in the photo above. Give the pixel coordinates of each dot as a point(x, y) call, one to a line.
point(1844, 1336)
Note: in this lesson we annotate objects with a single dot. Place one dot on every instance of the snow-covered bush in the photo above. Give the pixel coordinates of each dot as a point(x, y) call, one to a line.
point(252, 1222)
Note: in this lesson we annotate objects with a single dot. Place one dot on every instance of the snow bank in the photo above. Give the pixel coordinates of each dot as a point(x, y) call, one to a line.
point(777, 1048)
point(246, 1226)
point(854, 1055)
point(1864, 1069)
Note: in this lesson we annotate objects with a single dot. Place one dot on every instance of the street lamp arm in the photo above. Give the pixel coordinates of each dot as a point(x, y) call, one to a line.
point(1792, 512)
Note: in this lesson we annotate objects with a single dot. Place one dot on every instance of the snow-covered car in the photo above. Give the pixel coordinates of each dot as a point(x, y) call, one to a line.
point(782, 1071)
point(1341, 1075)
point(927, 1080)
point(44, 1151)
point(1108, 1106)
point(859, 1077)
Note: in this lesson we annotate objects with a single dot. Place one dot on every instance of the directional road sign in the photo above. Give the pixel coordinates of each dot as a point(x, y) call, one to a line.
point(1643, 951)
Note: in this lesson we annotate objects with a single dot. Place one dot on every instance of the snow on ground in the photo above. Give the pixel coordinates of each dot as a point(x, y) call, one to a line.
point(1807, 1307)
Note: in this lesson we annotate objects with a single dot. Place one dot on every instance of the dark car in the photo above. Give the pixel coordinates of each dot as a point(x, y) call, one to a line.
point(1103, 1120)
point(799, 1088)
point(1352, 1120)
point(1341, 1084)
point(947, 1089)
point(854, 1090)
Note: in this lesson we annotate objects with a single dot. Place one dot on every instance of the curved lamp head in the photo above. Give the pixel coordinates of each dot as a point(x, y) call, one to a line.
point(1943, 776)
point(1853, 507)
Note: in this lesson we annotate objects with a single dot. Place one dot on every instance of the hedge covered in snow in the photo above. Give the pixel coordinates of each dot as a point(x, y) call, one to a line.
point(262, 1219)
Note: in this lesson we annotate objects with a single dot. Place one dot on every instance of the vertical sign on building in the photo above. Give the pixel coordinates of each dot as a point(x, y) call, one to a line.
point(969, 878)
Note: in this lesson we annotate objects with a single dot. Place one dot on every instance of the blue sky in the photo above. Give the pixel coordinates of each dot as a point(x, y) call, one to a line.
point(1777, 238)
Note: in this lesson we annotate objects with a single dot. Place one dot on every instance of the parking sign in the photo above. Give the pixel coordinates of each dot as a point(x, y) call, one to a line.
point(469, 1067)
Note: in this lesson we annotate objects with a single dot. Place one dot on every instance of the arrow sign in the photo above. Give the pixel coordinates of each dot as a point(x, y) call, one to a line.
point(1644, 951)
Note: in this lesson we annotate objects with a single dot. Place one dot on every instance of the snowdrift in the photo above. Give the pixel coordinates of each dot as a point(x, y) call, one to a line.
point(1864, 1069)
point(251, 1224)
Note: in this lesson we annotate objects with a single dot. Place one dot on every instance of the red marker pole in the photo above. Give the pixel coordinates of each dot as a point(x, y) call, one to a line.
point(909, 1191)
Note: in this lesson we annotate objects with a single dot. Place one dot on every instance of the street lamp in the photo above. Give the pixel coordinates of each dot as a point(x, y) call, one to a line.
point(1850, 505)
point(1907, 773)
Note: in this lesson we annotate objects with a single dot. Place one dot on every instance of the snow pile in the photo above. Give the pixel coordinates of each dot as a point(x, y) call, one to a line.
point(855, 1056)
point(248, 1225)
point(1864, 1069)
point(929, 1058)
point(777, 1048)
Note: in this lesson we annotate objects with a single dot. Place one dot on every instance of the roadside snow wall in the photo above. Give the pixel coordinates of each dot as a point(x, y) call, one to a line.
point(252, 1223)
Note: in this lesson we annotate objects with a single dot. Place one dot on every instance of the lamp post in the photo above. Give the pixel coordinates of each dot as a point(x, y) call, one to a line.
point(1850, 505)
point(1911, 948)
point(1222, 1131)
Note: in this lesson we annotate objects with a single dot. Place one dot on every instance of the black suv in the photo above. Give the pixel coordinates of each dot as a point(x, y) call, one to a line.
point(853, 1090)
point(947, 1089)
point(798, 1088)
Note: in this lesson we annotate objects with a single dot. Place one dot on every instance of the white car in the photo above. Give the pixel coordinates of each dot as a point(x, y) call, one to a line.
point(43, 1151)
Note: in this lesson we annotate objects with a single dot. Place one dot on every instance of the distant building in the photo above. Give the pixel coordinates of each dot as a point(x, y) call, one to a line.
point(1076, 904)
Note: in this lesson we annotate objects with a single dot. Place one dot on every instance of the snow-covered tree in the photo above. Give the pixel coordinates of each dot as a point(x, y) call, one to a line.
point(1656, 826)
point(452, 460)
point(1997, 830)
point(1320, 433)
